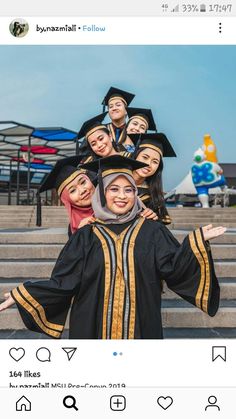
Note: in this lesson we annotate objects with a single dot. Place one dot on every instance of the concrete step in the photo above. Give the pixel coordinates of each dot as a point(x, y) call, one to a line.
point(196, 216)
point(30, 251)
point(227, 290)
point(192, 317)
point(210, 220)
point(21, 212)
point(200, 210)
point(27, 334)
point(168, 332)
point(180, 303)
point(59, 235)
point(9, 284)
point(171, 317)
point(34, 235)
point(223, 251)
point(51, 251)
point(228, 238)
point(204, 215)
point(200, 213)
point(43, 268)
point(193, 226)
point(16, 224)
point(25, 270)
point(171, 210)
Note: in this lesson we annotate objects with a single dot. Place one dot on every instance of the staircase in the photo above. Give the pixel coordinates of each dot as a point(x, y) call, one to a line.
point(29, 253)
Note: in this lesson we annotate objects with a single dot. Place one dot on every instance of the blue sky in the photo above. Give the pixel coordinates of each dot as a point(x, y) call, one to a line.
point(190, 89)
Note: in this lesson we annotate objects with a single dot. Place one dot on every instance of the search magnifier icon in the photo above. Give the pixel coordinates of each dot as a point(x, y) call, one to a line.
point(70, 402)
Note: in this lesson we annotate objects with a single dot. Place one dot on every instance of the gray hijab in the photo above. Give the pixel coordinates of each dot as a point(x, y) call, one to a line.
point(104, 214)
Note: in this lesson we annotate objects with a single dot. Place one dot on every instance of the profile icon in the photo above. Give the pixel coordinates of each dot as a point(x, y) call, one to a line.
point(19, 28)
point(212, 400)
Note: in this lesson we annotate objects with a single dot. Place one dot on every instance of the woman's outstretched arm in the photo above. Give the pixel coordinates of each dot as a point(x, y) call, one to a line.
point(9, 301)
point(210, 232)
point(188, 269)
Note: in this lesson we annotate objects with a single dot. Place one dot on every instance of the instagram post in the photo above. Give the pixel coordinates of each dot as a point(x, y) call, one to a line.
point(118, 215)
point(190, 137)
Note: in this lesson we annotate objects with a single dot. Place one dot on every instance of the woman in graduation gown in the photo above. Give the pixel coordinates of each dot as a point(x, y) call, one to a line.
point(111, 271)
point(75, 188)
point(98, 140)
point(140, 121)
point(149, 181)
point(150, 149)
point(117, 102)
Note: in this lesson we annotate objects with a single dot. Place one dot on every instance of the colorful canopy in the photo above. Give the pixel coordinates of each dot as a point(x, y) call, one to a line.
point(46, 145)
point(43, 146)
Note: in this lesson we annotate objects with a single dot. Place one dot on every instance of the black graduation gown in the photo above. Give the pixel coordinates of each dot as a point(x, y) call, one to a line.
point(121, 133)
point(121, 139)
point(144, 195)
point(113, 282)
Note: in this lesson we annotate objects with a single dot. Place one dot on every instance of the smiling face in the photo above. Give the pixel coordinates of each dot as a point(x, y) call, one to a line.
point(101, 143)
point(136, 126)
point(150, 157)
point(117, 110)
point(81, 190)
point(120, 196)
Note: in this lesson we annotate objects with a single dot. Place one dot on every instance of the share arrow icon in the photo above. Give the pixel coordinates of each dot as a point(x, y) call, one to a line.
point(69, 352)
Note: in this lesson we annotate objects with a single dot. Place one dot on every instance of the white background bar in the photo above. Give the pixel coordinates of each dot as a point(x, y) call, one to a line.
point(139, 403)
point(165, 363)
point(115, 31)
point(107, 8)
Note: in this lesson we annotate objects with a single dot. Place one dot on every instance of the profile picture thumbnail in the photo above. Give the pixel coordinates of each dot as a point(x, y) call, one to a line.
point(19, 28)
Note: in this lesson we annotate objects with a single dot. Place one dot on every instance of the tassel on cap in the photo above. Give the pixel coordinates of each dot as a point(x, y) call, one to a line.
point(101, 186)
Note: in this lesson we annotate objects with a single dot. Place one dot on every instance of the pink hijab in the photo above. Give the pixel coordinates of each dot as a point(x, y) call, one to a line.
point(76, 214)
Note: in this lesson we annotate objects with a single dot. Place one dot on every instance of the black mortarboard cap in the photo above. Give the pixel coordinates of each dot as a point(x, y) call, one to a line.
point(146, 114)
point(62, 173)
point(122, 94)
point(111, 165)
point(91, 125)
point(157, 141)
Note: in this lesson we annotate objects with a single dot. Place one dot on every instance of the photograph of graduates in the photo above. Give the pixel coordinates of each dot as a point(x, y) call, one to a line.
point(135, 263)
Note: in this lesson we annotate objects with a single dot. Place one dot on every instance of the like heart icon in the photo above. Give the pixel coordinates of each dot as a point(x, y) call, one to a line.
point(17, 353)
point(165, 402)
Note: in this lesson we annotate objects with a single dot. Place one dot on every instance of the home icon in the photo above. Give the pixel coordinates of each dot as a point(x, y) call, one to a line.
point(23, 404)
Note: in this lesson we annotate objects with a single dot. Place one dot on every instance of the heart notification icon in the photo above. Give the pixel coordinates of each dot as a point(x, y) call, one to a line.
point(17, 353)
point(165, 402)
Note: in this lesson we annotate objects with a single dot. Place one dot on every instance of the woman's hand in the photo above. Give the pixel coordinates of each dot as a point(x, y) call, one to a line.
point(210, 232)
point(87, 220)
point(8, 303)
point(149, 214)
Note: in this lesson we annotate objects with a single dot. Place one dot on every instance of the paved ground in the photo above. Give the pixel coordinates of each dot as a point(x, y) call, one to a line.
point(168, 334)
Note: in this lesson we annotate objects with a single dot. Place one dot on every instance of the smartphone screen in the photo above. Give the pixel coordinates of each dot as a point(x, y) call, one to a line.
point(118, 210)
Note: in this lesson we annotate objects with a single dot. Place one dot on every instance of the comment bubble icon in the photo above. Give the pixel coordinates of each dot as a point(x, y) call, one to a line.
point(43, 355)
